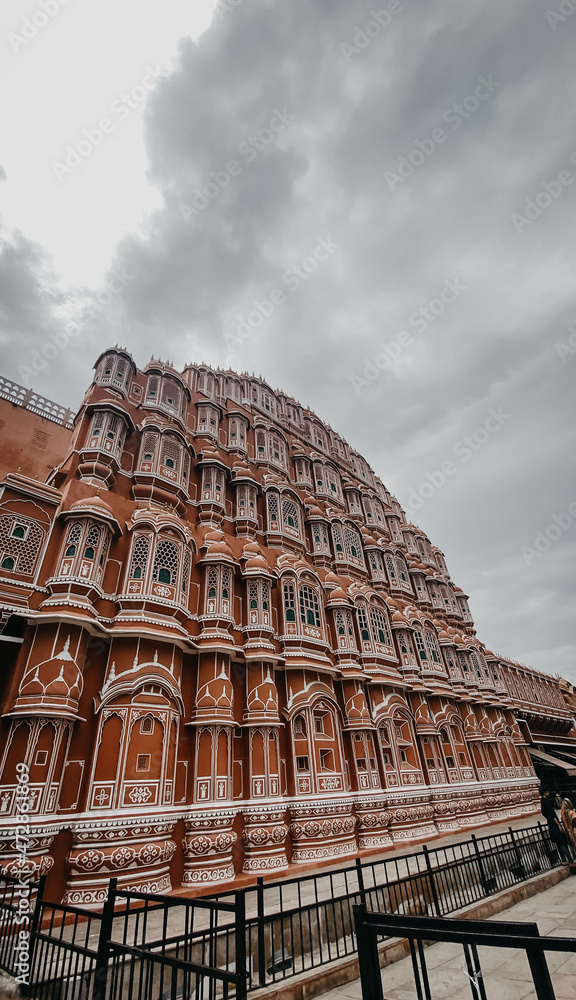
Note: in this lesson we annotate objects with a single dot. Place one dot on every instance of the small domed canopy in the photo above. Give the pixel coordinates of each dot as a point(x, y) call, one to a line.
point(95, 507)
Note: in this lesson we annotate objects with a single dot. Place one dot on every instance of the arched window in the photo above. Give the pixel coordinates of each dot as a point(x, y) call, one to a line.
point(344, 629)
point(376, 565)
point(140, 553)
point(272, 503)
point(309, 606)
point(219, 591)
point(166, 560)
point(433, 648)
point(380, 626)
point(320, 538)
point(259, 602)
point(8, 563)
point(290, 518)
point(213, 485)
point(419, 640)
point(289, 601)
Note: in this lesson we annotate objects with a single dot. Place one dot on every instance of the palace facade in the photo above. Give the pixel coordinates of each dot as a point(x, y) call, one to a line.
point(226, 650)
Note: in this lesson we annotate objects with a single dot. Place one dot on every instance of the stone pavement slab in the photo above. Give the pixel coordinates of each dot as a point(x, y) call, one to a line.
point(506, 972)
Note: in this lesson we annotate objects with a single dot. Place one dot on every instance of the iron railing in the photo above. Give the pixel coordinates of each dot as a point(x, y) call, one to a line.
point(471, 934)
point(153, 946)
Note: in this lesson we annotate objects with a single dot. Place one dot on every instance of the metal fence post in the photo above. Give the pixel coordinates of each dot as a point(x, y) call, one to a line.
point(360, 876)
point(368, 961)
point(432, 881)
point(240, 944)
point(488, 881)
point(261, 938)
point(34, 931)
point(103, 953)
point(518, 871)
point(540, 973)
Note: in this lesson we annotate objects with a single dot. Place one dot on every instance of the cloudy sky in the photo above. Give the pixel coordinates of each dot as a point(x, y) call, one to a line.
point(370, 204)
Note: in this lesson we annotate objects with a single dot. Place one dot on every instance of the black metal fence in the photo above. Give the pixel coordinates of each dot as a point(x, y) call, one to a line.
point(471, 934)
point(165, 947)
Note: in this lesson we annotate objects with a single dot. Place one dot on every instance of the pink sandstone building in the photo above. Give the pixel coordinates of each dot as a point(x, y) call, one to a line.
point(225, 650)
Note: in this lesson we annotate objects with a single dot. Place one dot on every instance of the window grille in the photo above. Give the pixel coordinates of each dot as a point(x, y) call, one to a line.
point(171, 454)
point(93, 536)
point(152, 388)
point(391, 568)
point(380, 626)
point(186, 572)
point(320, 536)
point(418, 639)
point(309, 607)
point(433, 647)
point(212, 581)
point(402, 570)
point(148, 449)
point(290, 515)
point(363, 622)
point(338, 540)
point(289, 602)
point(353, 545)
point(139, 557)
point(226, 583)
point(165, 568)
point(376, 565)
point(273, 508)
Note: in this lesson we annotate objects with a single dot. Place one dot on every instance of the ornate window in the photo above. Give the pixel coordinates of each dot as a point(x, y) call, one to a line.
point(464, 665)
point(290, 518)
point(206, 383)
point(171, 396)
point(420, 646)
point(345, 638)
point(166, 562)
point(380, 627)
point(158, 566)
point(85, 550)
point(302, 609)
point(391, 569)
point(140, 552)
point(273, 507)
point(208, 420)
point(476, 665)
point(309, 606)
point(107, 433)
point(246, 502)
point(320, 539)
point(237, 433)
point(113, 370)
point(21, 540)
point(185, 572)
point(376, 565)
point(277, 451)
point(353, 498)
point(259, 602)
point(219, 591)
point(332, 480)
point(165, 455)
point(403, 575)
point(152, 389)
point(289, 593)
point(303, 475)
point(428, 648)
point(406, 648)
point(213, 485)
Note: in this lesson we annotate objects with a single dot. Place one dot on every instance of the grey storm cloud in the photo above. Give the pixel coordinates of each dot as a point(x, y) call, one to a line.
point(424, 144)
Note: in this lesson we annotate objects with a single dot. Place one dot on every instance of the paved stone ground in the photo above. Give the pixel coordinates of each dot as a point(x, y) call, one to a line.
point(506, 972)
